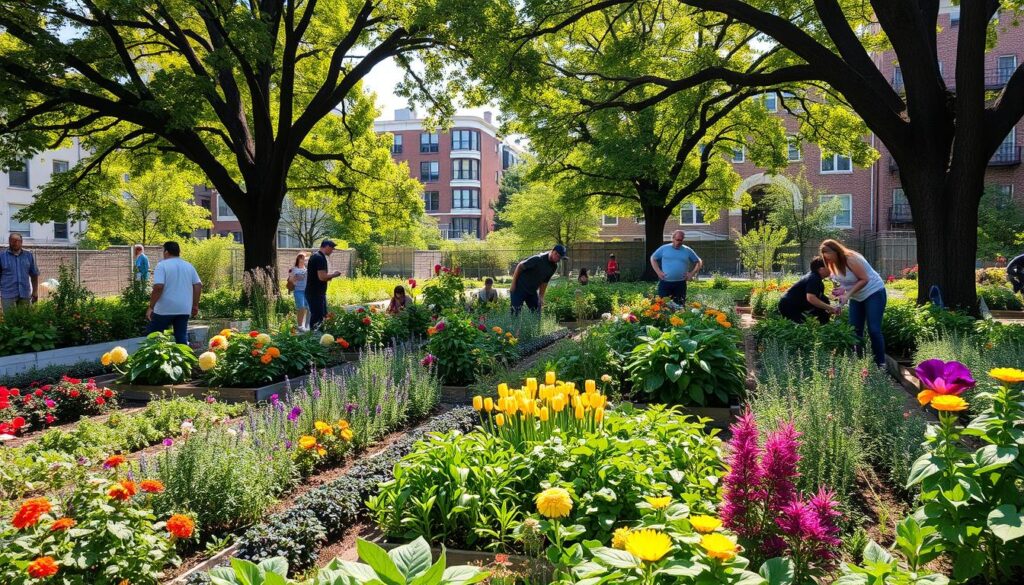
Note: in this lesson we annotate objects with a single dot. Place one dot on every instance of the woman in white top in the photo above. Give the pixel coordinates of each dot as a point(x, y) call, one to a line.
point(297, 280)
point(863, 288)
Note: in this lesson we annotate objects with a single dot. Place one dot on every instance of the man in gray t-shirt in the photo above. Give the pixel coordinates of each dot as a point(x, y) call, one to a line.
point(530, 279)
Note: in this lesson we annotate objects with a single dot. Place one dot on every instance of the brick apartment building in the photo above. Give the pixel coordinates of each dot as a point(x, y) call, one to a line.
point(460, 169)
point(872, 198)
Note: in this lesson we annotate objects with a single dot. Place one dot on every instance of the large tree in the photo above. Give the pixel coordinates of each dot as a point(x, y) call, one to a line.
point(941, 131)
point(542, 217)
point(243, 89)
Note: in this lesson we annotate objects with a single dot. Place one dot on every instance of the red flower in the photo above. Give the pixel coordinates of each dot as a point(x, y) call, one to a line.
point(50, 418)
point(62, 524)
point(481, 327)
point(151, 486)
point(15, 392)
point(254, 334)
point(46, 388)
point(74, 393)
point(100, 400)
point(113, 461)
point(107, 392)
point(437, 269)
point(366, 321)
point(180, 526)
point(17, 422)
point(344, 344)
point(412, 282)
point(73, 380)
point(38, 392)
point(255, 353)
point(360, 310)
point(30, 512)
point(42, 568)
point(122, 490)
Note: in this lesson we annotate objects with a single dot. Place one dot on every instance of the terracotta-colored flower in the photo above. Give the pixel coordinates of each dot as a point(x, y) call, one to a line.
point(266, 359)
point(344, 344)
point(123, 490)
point(113, 461)
point(42, 568)
point(30, 512)
point(180, 526)
point(62, 524)
point(367, 321)
point(151, 486)
point(274, 352)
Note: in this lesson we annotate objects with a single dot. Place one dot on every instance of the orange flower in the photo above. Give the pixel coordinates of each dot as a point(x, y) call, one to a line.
point(431, 330)
point(30, 512)
point(344, 344)
point(62, 524)
point(151, 486)
point(274, 352)
point(122, 490)
point(113, 461)
point(181, 526)
point(255, 353)
point(42, 568)
point(266, 359)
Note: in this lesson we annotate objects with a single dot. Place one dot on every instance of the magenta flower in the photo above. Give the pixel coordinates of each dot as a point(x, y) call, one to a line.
point(742, 483)
point(428, 360)
point(50, 403)
point(168, 442)
point(440, 326)
point(779, 465)
point(294, 414)
point(944, 377)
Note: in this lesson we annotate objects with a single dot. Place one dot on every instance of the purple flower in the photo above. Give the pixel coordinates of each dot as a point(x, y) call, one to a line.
point(350, 408)
point(287, 444)
point(168, 442)
point(274, 398)
point(83, 461)
point(742, 483)
point(294, 414)
point(378, 409)
point(210, 400)
point(50, 404)
point(428, 360)
point(944, 377)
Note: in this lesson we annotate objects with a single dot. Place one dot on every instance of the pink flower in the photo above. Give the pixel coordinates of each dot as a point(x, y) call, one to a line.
point(428, 360)
point(741, 484)
point(440, 326)
point(50, 403)
point(437, 269)
point(779, 465)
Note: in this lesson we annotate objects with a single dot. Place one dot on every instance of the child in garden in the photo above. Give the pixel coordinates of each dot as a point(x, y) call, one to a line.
point(399, 300)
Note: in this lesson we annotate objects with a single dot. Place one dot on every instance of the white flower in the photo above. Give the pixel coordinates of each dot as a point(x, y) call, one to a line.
point(187, 427)
point(326, 339)
point(233, 432)
point(606, 316)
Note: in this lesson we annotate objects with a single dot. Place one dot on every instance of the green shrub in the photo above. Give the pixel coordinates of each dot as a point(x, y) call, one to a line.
point(835, 336)
point(212, 259)
point(158, 360)
point(26, 329)
point(999, 297)
point(222, 303)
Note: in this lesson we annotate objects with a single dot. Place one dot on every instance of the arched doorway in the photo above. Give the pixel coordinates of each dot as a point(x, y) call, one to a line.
point(756, 186)
point(756, 215)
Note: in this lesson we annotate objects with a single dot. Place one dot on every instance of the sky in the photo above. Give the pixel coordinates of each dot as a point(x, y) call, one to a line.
point(382, 81)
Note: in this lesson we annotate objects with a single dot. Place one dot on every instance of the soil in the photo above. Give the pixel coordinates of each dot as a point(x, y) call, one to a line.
point(70, 426)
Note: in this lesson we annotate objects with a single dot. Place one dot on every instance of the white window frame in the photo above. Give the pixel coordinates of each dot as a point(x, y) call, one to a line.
point(609, 220)
point(770, 98)
point(687, 206)
point(58, 162)
point(790, 141)
point(28, 176)
point(460, 196)
point(835, 165)
point(471, 172)
point(999, 69)
point(835, 223)
point(639, 220)
point(13, 225)
point(743, 155)
point(222, 215)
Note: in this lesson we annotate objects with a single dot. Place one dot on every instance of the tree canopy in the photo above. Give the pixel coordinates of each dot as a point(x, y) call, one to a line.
point(541, 217)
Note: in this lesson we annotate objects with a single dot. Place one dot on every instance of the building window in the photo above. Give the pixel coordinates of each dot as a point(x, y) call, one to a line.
point(432, 200)
point(738, 154)
point(396, 144)
point(428, 142)
point(954, 16)
point(836, 163)
point(60, 230)
point(790, 102)
point(18, 177)
point(465, 225)
point(897, 78)
point(609, 220)
point(18, 226)
point(690, 214)
point(430, 171)
point(465, 199)
point(60, 166)
point(224, 211)
point(899, 197)
point(465, 140)
point(771, 102)
point(465, 169)
point(1005, 66)
point(793, 150)
point(639, 220)
point(843, 219)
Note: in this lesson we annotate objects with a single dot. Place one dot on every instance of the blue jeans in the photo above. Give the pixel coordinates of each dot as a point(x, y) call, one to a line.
point(870, 310)
point(530, 297)
point(674, 290)
point(162, 322)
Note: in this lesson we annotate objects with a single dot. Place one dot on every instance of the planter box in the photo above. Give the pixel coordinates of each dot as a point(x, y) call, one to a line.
point(199, 390)
point(1008, 315)
point(539, 570)
point(578, 324)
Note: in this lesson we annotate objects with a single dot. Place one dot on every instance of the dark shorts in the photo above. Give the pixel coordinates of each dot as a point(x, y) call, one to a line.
point(674, 290)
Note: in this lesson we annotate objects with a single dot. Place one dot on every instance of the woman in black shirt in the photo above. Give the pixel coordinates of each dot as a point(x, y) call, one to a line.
point(808, 296)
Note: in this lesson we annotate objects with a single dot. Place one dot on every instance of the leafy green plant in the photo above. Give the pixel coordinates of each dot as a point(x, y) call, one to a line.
point(697, 363)
point(25, 329)
point(445, 291)
point(158, 360)
point(999, 297)
point(255, 359)
point(836, 335)
point(880, 567)
point(359, 327)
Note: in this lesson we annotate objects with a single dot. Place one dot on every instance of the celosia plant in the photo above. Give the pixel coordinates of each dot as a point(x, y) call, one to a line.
point(762, 505)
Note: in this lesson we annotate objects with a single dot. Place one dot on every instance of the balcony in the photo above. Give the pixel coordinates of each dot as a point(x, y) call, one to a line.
point(899, 214)
point(1007, 155)
point(994, 79)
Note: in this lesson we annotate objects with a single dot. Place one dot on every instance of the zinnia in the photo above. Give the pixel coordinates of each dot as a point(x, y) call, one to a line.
point(181, 526)
point(949, 403)
point(151, 486)
point(648, 545)
point(42, 568)
point(62, 524)
point(307, 442)
point(1007, 375)
point(105, 359)
point(122, 490)
point(30, 512)
point(718, 546)
point(705, 524)
point(113, 461)
point(266, 359)
point(554, 502)
point(218, 341)
point(326, 339)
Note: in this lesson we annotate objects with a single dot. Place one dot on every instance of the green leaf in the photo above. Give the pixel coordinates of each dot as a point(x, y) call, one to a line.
point(681, 568)
point(463, 575)
point(777, 571)
point(1006, 523)
point(380, 562)
point(925, 467)
point(968, 564)
point(246, 572)
point(873, 553)
point(619, 559)
point(413, 558)
point(277, 565)
point(992, 457)
point(433, 574)
point(673, 371)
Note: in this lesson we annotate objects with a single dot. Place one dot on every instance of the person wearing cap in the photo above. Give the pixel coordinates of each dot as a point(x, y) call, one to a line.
point(530, 279)
point(675, 264)
point(318, 274)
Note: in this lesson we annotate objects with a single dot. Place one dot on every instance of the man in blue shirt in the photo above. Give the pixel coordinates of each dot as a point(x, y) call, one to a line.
point(675, 264)
point(19, 275)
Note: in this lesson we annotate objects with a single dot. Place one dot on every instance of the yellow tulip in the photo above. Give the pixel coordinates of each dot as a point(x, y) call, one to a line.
point(590, 385)
point(577, 402)
point(585, 400)
point(544, 414)
point(499, 420)
point(598, 415)
point(579, 413)
point(549, 377)
point(502, 390)
point(558, 404)
point(488, 404)
point(531, 384)
point(478, 403)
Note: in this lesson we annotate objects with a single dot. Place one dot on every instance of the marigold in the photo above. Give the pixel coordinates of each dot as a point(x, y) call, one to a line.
point(225, 332)
point(1007, 375)
point(307, 442)
point(719, 546)
point(62, 524)
point(119, 355)
point(113, 461)
point(266, 359)
point(675, 321)
point(346, 435)
point(274, 352)
point(181, 526)
point(949, 403)
point(151, 486)
point(554, 503)
point(344, 344)
point(342, 424)
point(705, 524)
point(123, 490)
point(30, 512)
point(648, 544)
point(42, 568)
point(105, 359)
point(659, 503)
point(323, 428)
point(619, 538)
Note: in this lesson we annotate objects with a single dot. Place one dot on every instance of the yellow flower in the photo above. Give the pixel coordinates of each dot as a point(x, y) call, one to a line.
point(1007, 375)
point(342, 424)
point(105, 360)
point(488, 404)
point(544, 414)
point(500, 420)
point(659, 503)
point(478, 403)
point(119, 355)
point(502, 390)
point(579, 413)
point(598, 414)
point(619, 538)
point(207, 361)
point(218, 341)
point(326, 339)
point(263, 339)
point(346, 435)
point(554, 503)
point(307, 442)
point(549, 378)
point(949, 403)
point(531, 384)
point(648, 545)
point(323, 428)
point(675, 321)
point(558, 403)
point(590, 386)
point(719, 546)
point(705, 524)
point(497, 330)
point(606, 378)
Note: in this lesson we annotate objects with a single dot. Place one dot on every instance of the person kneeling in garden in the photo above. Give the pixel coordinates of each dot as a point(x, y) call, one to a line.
point(808, 296)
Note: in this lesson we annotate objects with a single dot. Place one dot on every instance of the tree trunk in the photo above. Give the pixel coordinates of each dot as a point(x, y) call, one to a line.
point(946, 225)
point(654, 237)
point(259, 236)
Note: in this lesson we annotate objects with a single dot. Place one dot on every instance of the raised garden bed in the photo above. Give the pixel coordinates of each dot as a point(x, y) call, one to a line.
point(538, 569)
point(198, 390)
